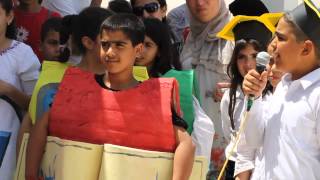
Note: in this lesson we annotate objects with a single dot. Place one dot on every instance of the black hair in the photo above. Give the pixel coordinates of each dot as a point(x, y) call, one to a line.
point(167, 59)
point(51, 24)
point(11, 31)
point(234, 73)
point(298, 33)
point(87, 23)
point(120, 6)
point(129, 24)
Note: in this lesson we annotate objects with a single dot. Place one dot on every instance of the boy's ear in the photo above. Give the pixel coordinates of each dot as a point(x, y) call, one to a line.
point(10, 18)
point(139, 49)
point(87, 42)
point(308, 47)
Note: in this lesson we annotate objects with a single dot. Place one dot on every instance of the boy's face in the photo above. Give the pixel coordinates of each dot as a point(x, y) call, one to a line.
point(117, 53)
point(286, 49)
point(50, 47)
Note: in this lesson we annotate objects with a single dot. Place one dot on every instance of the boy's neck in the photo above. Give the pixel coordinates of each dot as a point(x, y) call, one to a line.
point(4, 43)
point(31, 8)
point(306, 70)
point(120, 81)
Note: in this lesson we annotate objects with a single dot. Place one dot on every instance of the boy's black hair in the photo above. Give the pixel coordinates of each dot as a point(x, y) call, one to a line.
point(120, 6)
point(129, 24)
point(11, 31)
point(51, 24)
point(299, 34)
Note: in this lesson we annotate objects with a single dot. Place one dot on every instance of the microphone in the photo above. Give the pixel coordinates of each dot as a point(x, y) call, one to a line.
point(262, 59)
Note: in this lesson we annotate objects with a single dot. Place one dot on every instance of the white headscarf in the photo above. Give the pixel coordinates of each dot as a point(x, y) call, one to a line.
point(202, 45)
point(214, 26)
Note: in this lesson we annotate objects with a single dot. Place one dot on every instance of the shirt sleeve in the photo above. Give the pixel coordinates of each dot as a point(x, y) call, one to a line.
point(28, 70)
point(178, 121)
point(225, 119)
point(318, 125)
point(203, 131)
point(245, 157)
point(255, 124)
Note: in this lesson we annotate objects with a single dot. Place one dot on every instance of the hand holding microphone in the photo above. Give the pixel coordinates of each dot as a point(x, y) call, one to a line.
point(255, 80)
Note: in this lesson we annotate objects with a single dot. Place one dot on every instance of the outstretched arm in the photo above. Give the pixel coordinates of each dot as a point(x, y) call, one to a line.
point(17, 96)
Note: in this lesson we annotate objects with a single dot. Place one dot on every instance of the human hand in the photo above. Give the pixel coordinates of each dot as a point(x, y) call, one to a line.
point(219, 90)
point(254, 83)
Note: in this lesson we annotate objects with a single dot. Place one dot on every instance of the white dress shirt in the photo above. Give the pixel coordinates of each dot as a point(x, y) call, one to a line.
point(225, 119)
point(248, 157)
point(288, 129)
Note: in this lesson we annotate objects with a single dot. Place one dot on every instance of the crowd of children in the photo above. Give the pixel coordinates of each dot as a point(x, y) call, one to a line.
point(71, 76)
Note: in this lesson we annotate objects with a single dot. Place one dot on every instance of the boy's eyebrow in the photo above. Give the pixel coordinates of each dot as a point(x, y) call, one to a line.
point(278, 34)
point(116, 42)
point(53, 40)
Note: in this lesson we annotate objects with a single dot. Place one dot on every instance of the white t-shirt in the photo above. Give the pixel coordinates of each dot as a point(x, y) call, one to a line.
point(19, 66)
point(66, 7)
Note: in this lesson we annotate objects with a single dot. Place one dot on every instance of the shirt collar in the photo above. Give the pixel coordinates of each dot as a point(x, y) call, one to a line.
point(305, 81)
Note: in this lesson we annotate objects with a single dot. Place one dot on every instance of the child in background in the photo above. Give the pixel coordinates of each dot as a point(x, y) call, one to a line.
point(288, 128)
point(50, 39)
point(115, 115)
point(19, 70)
point(251, 35)
point(247, 163)
point(161, 62)
point(50, 49)
point(29, 17)
point(52, 71)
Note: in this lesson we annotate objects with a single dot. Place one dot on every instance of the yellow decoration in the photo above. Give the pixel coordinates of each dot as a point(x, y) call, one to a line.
point(140, 73)
point(268, 19)
point(51, 72)
point(314, 5)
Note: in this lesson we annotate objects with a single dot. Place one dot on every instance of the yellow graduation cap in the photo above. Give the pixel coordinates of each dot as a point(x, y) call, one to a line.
point(259, 28)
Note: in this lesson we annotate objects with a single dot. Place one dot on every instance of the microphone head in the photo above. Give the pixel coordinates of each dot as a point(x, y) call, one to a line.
point(263, 58)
